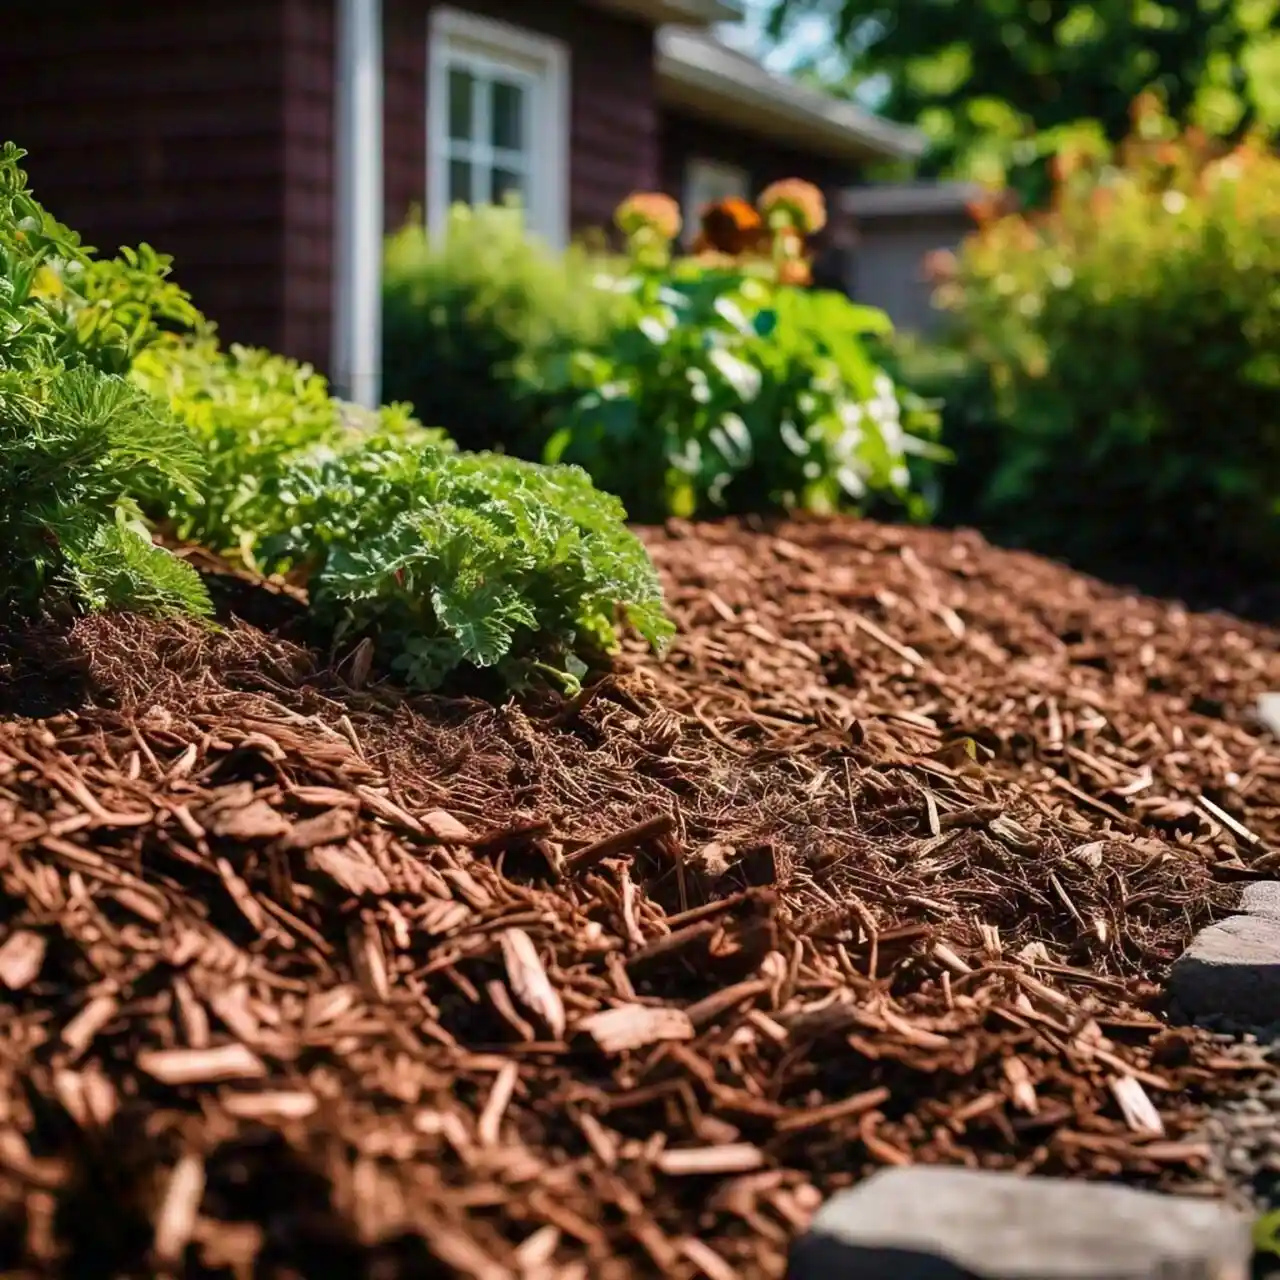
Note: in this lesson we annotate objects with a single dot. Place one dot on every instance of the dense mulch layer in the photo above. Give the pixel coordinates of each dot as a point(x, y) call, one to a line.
point(884, 863)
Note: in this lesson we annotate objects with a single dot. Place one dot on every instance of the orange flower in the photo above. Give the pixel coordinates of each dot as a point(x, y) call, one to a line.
point(1066, 163)
point(794, 271)
point(940, 265)
point(796, 203)
point(731, 226)
point(1101, 201)
point(1145, 106)
point(649, 210)
point(985, 208)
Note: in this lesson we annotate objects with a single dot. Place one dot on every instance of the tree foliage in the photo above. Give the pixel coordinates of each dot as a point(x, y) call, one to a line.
point(997, 83)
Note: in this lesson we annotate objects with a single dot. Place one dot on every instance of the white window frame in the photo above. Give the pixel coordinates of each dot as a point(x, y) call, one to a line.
point(540, 62)
point(700, 172)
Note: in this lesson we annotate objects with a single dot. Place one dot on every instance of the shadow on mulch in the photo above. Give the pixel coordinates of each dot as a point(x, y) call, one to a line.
point(42, 672)
point(1202, 584)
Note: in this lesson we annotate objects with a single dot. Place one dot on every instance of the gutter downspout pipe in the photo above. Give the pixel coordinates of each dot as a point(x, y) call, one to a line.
point(358, 170)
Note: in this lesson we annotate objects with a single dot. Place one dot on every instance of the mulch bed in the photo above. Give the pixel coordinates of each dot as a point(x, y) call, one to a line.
point(884, 863)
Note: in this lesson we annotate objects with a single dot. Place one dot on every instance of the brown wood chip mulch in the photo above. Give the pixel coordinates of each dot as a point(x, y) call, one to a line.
point(299, 979)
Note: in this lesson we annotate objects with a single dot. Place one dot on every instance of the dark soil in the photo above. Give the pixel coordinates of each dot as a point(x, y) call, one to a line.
point(885, 862)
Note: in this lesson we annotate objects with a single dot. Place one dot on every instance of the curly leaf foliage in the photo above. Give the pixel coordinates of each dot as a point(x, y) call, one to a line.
point(473, 559)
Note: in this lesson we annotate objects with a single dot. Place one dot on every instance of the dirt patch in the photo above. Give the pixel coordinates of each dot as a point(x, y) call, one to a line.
point(327, 981)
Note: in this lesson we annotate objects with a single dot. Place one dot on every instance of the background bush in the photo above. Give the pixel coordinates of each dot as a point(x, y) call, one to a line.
point(723, 388)
point(465, 314)
point(1130, 340)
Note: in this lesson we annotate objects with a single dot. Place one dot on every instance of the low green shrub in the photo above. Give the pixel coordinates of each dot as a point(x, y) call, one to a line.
point(465, 314)
point(447, 559)
point(80, 447)
point(253, 416)
point(455, 559)
point(728, 386)
point(1131, 336)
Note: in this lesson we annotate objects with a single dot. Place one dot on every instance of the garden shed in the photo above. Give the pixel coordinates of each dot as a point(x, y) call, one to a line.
point(898, 226)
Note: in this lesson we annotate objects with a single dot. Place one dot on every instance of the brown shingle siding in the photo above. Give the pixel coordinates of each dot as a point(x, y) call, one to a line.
point(309, 50)
point(404, 107)
point(160, 121)
point(208, 131)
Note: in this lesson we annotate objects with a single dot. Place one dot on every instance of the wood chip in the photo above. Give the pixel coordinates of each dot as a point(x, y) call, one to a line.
point(202, 1066)
point(21, 958)
point(632, 1026)
point(733, 1157)
point(529, 980)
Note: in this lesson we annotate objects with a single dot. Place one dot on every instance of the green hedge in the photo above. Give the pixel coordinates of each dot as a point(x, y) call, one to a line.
point(1129, 337)
point(465, 315)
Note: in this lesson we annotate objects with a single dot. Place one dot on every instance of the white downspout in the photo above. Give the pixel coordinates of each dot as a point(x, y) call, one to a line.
point(358, 169)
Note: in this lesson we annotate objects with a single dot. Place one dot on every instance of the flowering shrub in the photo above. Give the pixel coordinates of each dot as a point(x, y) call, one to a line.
point(726, 387)
point(1131, 334)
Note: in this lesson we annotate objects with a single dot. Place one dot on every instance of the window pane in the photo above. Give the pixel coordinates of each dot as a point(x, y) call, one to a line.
point(461, 119)
point(460, 182)
point(508, 108)
point(505, 183)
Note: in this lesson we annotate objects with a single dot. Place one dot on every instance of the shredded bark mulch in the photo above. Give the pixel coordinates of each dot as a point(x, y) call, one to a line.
point(884, 863)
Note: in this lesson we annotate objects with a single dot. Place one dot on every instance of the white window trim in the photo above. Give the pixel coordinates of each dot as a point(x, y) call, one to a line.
point(692, 202)
point(546, 61)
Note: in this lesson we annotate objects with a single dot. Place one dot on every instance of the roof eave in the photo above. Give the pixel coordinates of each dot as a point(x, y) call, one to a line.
point(714, 82)
point(696, 13)
point(910, 199)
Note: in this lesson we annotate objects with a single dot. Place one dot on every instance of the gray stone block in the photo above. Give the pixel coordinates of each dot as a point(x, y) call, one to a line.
point(1267, 712)
point(1231, 970)
point(959, 1224)
point(1261, 898)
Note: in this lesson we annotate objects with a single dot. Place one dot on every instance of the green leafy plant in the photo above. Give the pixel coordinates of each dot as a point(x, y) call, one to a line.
point(449, 560)
point(729, 388)
point(78, 444)
point(1128, 333)
point(455, 559)
point(466, 311)
point(446, 559)
point(253, 415)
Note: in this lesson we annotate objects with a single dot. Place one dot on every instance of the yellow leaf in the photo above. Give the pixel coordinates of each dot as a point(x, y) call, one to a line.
point(48, 283)
point(1266, 1233)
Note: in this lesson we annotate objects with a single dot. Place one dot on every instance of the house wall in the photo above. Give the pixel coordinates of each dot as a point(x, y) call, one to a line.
point(162, 122)
point(612, 128)
point(682, 137)
point(886, 268)
point(208, 131)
